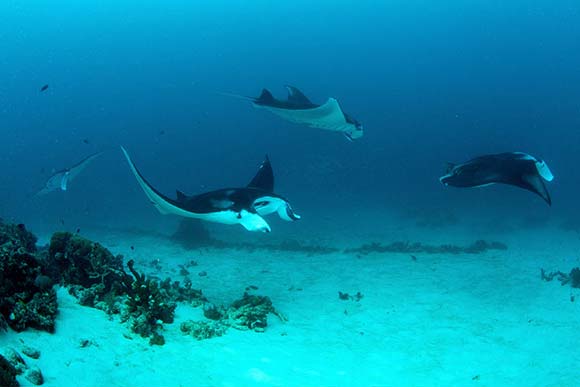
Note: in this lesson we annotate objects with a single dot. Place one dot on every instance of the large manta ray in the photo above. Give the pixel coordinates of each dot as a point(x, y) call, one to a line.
point(297, 108)
point(513, 168)
point(60, 179)
point(244, 206)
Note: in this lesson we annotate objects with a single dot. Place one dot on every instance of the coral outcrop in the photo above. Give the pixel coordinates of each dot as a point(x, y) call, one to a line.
point(74, 260)
point(247, 313)
point(251, 312)
point(7, 373)
point(202, 330)
point(573, 278)
point(477, 247)
point(25, 301)
point(148, 305)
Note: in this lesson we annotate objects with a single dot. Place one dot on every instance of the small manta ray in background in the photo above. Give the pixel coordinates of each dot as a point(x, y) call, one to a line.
point(297, 108)
point(43, 88)
point(244, 206)
point(60, 179)
point(513, 168)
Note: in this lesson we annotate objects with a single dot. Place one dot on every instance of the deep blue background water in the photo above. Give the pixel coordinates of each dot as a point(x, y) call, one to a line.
point(432, 82)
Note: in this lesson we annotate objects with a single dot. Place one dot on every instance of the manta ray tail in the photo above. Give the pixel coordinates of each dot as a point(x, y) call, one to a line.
point(163, 204)
point(264, 178)
point(238, 96)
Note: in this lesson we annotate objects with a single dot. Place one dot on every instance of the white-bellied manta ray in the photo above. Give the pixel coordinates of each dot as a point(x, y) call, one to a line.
point(60, 179)
point(244, 206)
point(297, 108)
point(513, 168)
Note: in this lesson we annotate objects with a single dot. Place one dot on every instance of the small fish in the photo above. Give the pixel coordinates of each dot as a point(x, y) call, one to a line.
point(43, 88)
point(86, 141)
point(132, 247)
point(62, 222)
point(78, 230)
point(161, 132)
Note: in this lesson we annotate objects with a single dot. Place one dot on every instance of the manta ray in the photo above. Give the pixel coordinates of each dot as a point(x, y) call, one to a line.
point(244, 206)
point(513, 168)
point(297, 108)
point(60, 179)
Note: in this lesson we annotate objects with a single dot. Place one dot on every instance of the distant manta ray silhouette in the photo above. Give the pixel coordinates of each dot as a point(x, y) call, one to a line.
point(244, 206)
point(297, 108)
point(60, 179)
point(513, 168)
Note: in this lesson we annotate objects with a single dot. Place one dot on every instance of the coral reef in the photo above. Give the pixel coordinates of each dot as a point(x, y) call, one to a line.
point(248, 313)
point(25, 300)
point(17, 236)
point(185, 293)
point(292, 246)
point(31, 352)
point(92, 274)
point(212, 312)
point(38, 312)
point(477, 247)
point(74, 260)
point(345, 296)
point(148, 305)
point(34, 376)
point(202, 330)
point(573, 278)
point(251, 312)
point(97, 278)
point(7, 373)
point(15, 360)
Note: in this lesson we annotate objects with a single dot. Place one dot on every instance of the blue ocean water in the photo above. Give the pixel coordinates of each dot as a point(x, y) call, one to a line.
point(432, 83)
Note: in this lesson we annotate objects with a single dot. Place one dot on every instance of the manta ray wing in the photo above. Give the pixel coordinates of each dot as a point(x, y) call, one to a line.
point(60, 180)
point(296, 97)
point(74, 171)
point(264, 178)
point(53, 183)
point(328, 116)
point(535, 184)
point(163, 204)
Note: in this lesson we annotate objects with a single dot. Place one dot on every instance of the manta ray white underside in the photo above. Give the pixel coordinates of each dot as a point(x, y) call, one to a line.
point(328, 116)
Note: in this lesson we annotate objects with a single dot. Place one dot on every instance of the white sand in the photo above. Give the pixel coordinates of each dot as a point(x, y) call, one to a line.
point(437, 321)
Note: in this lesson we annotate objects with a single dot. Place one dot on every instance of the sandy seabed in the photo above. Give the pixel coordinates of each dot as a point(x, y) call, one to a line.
point(433, 320)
